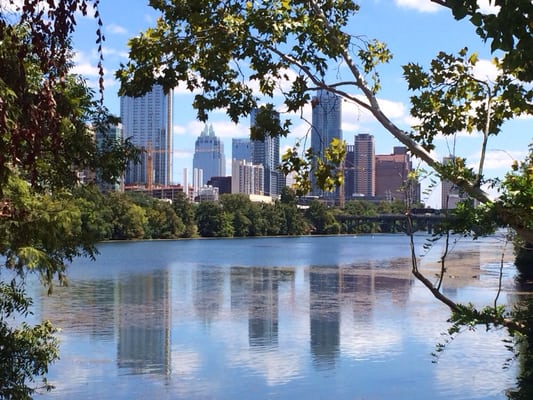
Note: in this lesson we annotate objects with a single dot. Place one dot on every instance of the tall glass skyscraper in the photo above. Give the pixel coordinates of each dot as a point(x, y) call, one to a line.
point(266, 153)
point(364, 165)
point(113, 134)
point(326, 125)
point(241, 149)
point(209, 155)
point(147, 120)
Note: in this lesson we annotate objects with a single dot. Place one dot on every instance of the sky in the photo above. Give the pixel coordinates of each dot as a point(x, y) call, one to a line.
point(414, 30)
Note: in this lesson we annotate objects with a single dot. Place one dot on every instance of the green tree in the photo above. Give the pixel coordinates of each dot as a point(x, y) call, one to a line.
point(96, 215)
point(238, 205)
point(321, 218)
point(129, 219)
point(163, 223)
point(295, 223)
point(259, 221)
point(213, 220)
point(185, 211)
point(48, 119)
point(509, 30)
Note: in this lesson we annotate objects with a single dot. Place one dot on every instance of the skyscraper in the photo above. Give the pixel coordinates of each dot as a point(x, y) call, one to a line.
point(147, 120)
point(113, 134)
point(364, 165)
point(326, 125)
point(247, 178)
point(241, 149)
point(451, 194)
point(392, 174)
point(266, 153)
point(209, 155)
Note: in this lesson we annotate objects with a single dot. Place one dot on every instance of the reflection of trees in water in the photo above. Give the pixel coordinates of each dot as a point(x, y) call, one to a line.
point(86, 306)
point(524, 346)
point(144, 323)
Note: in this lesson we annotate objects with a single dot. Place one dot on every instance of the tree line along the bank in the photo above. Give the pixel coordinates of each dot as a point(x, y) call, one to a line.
point(134, 215)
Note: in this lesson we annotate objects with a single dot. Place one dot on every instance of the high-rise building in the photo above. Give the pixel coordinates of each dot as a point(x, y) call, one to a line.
point(247, 178)
point(392, 174)
point(241, 149)
point(326, 125)
point(349, 173)
point(223, 183)
point(266, 152)
point(451, 194)
point(364, 165)
point(147, 120)
point(209, 155)
point(113, 134)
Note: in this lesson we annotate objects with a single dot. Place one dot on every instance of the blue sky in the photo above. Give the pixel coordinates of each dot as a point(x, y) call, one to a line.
point(415, 30)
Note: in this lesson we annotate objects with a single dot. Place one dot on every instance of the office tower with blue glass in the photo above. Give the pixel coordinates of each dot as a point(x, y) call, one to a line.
point(266, 153)
point(147, 122)
point(326, 126)
point(209, 155)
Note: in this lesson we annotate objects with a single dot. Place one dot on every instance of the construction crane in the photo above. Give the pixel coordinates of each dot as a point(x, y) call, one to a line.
point(150, 163)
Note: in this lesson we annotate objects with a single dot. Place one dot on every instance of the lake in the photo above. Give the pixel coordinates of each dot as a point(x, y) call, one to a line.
point(333, 317)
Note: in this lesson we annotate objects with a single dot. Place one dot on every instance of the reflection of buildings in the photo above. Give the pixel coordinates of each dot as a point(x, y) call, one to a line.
point(263, 308)
point(90, 307)
point(324, 314)
point(144, 323)
point(255, 291)
point(360, 287)
point(208, 293)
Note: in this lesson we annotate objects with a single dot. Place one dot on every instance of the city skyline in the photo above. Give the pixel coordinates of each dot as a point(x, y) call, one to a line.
point(400, 24)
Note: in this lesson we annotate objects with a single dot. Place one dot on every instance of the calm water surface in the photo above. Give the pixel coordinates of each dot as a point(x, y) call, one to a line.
point(270, 318)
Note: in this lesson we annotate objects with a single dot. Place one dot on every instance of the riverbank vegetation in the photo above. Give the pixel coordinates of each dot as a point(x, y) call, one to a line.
point(132, 215)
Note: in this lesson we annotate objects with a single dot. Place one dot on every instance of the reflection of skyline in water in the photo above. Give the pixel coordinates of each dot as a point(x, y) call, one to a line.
point(144, 323)
point(135, 310)
point(269, 326)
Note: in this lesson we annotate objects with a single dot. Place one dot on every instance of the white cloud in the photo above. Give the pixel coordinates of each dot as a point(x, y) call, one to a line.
point(498, 159)
point(486, 8)
point(428, 6)
point(485, 70)
point(83, 65)
point(116, 29)
point(419, 5)
point(85, 69)
point(179, 130)
point(7, 7)
point(394, 110)
point(227, 129)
